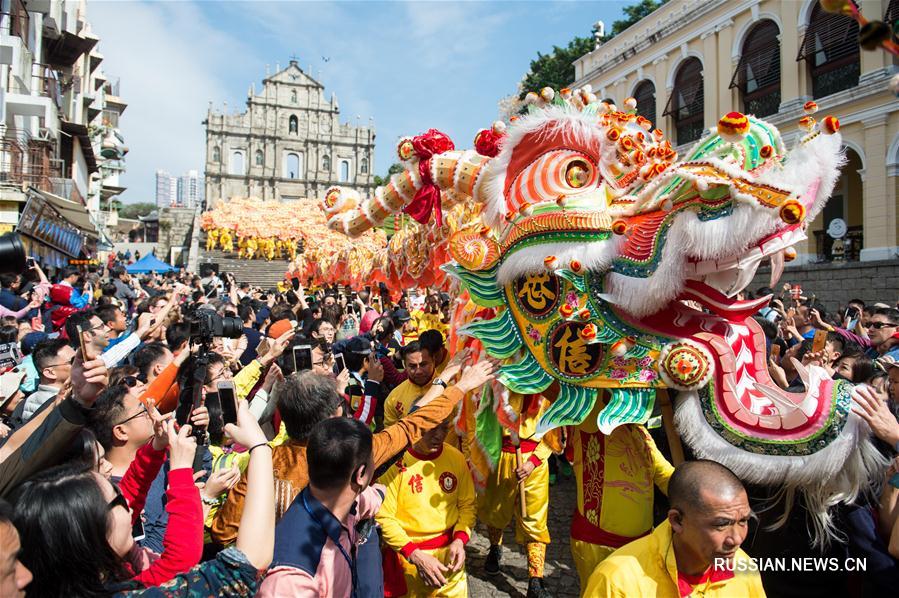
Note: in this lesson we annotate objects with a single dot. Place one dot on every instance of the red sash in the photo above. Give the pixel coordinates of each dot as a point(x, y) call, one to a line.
point(394, 581)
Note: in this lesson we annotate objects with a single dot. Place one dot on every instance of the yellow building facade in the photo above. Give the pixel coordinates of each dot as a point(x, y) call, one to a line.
point(692, 61)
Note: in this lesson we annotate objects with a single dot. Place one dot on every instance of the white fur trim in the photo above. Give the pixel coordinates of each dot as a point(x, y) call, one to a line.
point(596, 255)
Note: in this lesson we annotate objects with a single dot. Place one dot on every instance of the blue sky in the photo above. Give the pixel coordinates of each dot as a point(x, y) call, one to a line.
point(409, 65)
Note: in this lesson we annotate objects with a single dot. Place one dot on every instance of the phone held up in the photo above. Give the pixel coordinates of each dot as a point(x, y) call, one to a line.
point(302, 358)
point(340, 362)
point(228, 400)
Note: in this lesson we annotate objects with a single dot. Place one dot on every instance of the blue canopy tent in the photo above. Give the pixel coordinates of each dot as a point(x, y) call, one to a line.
point(149, 263)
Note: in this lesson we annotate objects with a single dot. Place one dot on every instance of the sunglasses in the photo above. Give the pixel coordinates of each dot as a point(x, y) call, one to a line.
point(879, 325)
point(119, 500)
point(141, 412)
point(132, 381)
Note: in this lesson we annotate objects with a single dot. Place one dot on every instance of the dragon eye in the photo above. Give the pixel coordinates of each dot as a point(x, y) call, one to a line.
point(577, 173)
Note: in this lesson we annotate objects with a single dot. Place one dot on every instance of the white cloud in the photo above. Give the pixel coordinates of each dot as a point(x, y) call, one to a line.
point(170, 62)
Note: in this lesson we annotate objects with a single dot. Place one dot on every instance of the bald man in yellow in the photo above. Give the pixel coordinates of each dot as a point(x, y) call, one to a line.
point(500, 500)
point(615, 476)
point(695, 551)
point(426, 519)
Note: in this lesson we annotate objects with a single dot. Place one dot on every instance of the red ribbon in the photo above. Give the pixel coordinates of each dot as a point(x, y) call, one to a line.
point(427, 199)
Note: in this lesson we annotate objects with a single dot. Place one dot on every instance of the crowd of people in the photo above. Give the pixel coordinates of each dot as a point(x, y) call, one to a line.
point(180, 435)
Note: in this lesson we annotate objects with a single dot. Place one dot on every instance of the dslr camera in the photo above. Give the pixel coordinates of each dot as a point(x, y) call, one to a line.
point(206, 325)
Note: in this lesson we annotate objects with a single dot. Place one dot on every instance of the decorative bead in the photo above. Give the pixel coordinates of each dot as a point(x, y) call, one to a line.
point(575, 266)
point(792, 212)
point(547, 94)
point(613, 134)
point(405, 149)
point(619, 227)
point(630, 103)
point(830, 125)
point(733, 126)
point(767, 151)
point(566, 310)
point(584, 314)
point(789, 254)
point(588, 332)
point(807, 122)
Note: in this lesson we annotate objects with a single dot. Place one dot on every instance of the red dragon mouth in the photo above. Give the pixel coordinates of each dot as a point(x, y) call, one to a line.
point(745, 398)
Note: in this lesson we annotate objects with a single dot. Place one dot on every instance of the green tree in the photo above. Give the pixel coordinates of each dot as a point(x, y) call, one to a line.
point(634, 13)
point(395, 168)
point(133, 210)
point(555, 69)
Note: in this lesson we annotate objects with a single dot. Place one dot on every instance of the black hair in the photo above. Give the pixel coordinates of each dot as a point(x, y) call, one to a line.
point(144, 358)
point(387, 329)
point(431, 341)
point(305, 399)
point(107, 313)
point(836, 339)
point(410, 348)
point(691, 477)
point(767, 326)
point(858, 302)
point(108, 289)
point(245, 312)
point(763, 291)
point(62, 519)
point(818, 306)
point(7, 279)
point(118, 272)
point(118, 374)
point(46, 352)
point(177, 334)
point(332, 313)
point(81, 318)
point(364, 296)
point(891, 314)
point(82, 450)
point(9, 334)
point(108, 409)
point(337, 447)
point(68, 271)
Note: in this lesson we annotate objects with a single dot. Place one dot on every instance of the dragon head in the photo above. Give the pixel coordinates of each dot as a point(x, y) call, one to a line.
point(594, 245)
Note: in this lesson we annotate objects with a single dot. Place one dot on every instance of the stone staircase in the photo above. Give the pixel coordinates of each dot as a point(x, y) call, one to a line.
point(256, 272)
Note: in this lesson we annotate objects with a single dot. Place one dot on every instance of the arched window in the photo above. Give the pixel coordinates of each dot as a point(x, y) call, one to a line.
point(758, 72)
point(686, 102)
point(344, 171)
point(294, 124)
point(645, 94)
point(831, 50)
point(363, 166)
point(216, 154)
point(293, 96)
point(292, 166)
point(237, 165)
point(326, 163)
point(260, 158)
point(847, 203)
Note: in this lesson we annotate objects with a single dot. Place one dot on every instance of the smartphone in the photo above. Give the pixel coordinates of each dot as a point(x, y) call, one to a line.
point(340, 362)
point(228, 399)
point(820, 340)
point(85, 356)
point(302, 358)
point(795, 292)
point(775, 351)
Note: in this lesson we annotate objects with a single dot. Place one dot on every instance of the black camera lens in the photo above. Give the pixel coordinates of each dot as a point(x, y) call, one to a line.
point(12, 254)
point(231, 327)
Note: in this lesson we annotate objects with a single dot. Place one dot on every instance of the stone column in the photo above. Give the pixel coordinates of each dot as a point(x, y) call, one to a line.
point(794, 86)
point(710, 79)
point(663, 92)
point(879, 230)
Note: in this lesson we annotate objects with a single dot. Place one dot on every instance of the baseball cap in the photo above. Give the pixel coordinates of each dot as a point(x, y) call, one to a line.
point(402, 315)
point(30, 340)
point(359, 345)
point(280, 327)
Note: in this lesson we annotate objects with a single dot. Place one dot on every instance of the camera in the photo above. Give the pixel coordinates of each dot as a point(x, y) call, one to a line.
point(206, 325)
point(12, 254)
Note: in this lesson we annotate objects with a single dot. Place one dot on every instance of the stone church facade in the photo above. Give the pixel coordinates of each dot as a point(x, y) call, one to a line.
point(288, 145)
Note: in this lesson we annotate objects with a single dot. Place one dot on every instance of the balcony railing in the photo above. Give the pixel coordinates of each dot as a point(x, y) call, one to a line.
point(28, 164)
point(43, 81)
point(16, 21)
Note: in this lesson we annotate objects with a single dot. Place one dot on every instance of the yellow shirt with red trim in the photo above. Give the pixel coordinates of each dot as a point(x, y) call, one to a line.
point(426, 496)
point(400, 399)
point(648, 567)
point(427, 321)
point(616, 473)
point(530, 413)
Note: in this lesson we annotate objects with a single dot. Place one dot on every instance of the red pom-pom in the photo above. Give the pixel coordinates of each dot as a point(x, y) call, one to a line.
point(486, 142)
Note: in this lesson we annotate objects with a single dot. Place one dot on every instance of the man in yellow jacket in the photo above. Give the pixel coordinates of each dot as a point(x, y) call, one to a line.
point(500, 500)
point(423, 367)
point(696, 551)
point(426, 519)
point(615, 475)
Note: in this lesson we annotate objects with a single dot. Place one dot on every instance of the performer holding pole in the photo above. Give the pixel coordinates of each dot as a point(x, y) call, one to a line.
point(523, 474)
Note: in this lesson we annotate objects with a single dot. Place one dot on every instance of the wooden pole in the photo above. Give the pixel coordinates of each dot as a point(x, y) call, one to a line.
point(522, 498)
point(674, 442)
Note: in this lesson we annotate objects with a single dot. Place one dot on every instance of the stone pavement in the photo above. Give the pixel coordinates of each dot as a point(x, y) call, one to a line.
point(560, 574)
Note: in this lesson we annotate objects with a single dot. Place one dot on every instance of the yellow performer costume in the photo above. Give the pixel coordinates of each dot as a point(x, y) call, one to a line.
point(499, 502)
point(269, 249)
point(427, 321)
point(212, 236)
point(429, 502)
point(241, 247)
point(291, 247)
point(226, 241)
point(252, 246)
point(615, 476)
